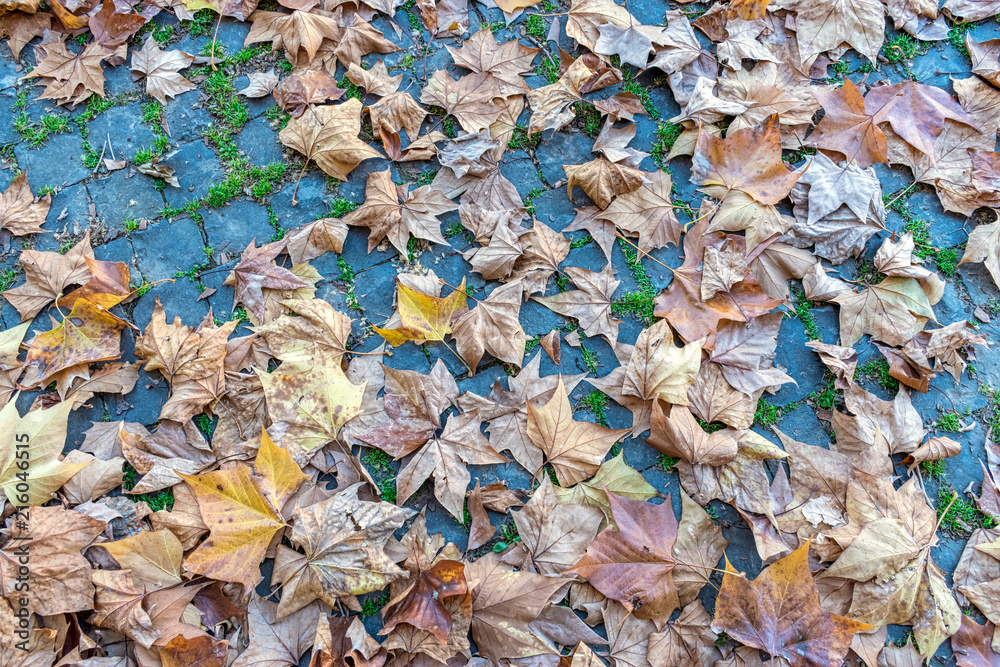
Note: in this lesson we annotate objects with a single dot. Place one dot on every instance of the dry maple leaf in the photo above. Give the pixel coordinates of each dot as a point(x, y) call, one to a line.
point(469, 99)
point(395, 112)
point(971, 644)
point(69, 77)
point(587, 16)
point(746, 160)
point(679, 435)
point(296, 93)
point(87, 334)
point(602, 180)
point(307, 409)
point(328, 134)
point(849, 129)
point(421, 606)
point(492, 326)
point(20, 28)
point(312, 330)
point(202, 651)
point(551, 105)
point(574, 449)
point(191, 359)
point(681, 303)
point(47, 274)
point(153, 557)
point(242, 522)
point(257, 271)
point(555, 533)
point(658, 369)
point(824, 26)
point(614, 475)
point(108, 285)
point(891, 311)
point(375, 81)
point(506, 62)
point(779, 612)
point(918, 112)
point(647, 212)
point(20, 214)
point(444, 457)
point(983, 246)
point(277, 641)
point(343, 539)
point(59, 578)
point(634, 563)
point(388, 217)
point(112, 29)
point(424, 317)
point(590, 303)
point(44, 431)
point(504, 602)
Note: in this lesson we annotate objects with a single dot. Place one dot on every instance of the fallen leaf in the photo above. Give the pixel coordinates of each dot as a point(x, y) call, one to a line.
point(779, 612)
point(850, 127)
point(20, 213)
point(328, 135)
point(162, 70)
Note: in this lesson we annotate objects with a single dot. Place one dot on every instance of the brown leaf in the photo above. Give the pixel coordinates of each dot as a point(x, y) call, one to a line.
point(574, 449)
point(492, 326)
point(278, 641)
point(504, 602)
point(421, 605)
point(779, 612)
point(680, 436)
point(386, 216)
point(746, 160)
point(47, 274)
point(20, 213)
point(971, 644)
point(603, 180)
point(556, 534)
point(648, 212)
point(111, 29)
point(200, 651)
point(506, 62)
point(59, 577)
point(850, 127)
point(590, 304)
point(633, 564)
point(445, 457)
point(469, 99)
point(69, 77)
point(296, 93)
point(395, 112)
point(328, 134)
point(375, 81)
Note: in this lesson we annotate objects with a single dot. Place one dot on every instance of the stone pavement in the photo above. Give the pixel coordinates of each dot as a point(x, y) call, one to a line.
point(195, 233)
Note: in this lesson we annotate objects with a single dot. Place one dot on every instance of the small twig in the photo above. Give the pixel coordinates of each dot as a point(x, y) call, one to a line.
point(953, 409)
point(467, 295)
point(214, 35)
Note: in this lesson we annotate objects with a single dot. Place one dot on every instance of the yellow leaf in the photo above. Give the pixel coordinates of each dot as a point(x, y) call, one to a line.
point(241, 522)
point(424, 317)
point(30, 469)
point(277, 475)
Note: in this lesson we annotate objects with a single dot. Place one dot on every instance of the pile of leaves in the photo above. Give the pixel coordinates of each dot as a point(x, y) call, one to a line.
point(847, 546)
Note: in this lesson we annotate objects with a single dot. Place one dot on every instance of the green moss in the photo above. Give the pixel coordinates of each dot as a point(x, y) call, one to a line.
point(202, 23)
point(496, 26)
point(582, 241)
point(521, 139)
point(962, 516)
point(934, 469)
point(803, 310)
point(956, 37)
point(205, 424)
point(590, 359)
point(798, 155)
point(902, 48)
point(372, 605)
point(666, 463)
point(766, 414)
point(666, 137)
point(536, 27)
point(548, 69)
point(948, 422)
point(596, 403)
point(590, 118)
point(157, 500)
point(7, 278)
point(529, 200)
point(640, 303)
point(877, 371)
